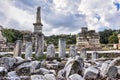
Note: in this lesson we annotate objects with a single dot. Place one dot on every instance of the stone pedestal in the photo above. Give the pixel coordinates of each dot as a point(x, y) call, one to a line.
point(39, 45)
point(83, 53)
point(72, 51)
point(62, 47)
point(94, 55)
point(51, 51)
point(17, 50)
point(28, 50)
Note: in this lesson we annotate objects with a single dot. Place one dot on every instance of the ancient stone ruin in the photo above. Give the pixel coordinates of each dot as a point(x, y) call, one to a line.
point(75, 66)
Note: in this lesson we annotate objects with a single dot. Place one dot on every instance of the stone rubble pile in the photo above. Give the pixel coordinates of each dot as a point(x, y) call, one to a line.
point(73, 68)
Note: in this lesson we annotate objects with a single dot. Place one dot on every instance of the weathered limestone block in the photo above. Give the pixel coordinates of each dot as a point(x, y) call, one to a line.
point(98, 64)
point(43, 63)
point(41, 71)
point(25, 78)
point(22, 68)
point(112, 72)
point(91, 73)
point(27, 67)
point(104, 69)
point(83, 53)
point(52, 66)
point(80, 61)
point(7, 62)
point(13, 76)
point(22, 63)
point(61, 75)
point(51, 51)
point(74, 66)
point(115, 62)
point(86, 65)
point(28, 50)
point(72, 51)
point(23, 71)
point(17, 50)
point(19, 59)
point(61, 65)
point(75, 77)
point(94, 55)
point(118, 75)
point(62, 47)
point(49, 77)
point(34, 65)
point(37, 77)
point(3, 71)
point(53, 72)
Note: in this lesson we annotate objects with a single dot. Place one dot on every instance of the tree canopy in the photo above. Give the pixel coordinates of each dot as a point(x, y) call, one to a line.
point(12, 35)
point(106, 36)
point(70, 39)
point(113, 38)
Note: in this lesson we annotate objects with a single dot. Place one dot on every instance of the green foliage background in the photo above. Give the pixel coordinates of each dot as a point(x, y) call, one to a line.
point(12, 35)
point(109, 36)
point(70, 39)
point(106, 36)
point(113, 38)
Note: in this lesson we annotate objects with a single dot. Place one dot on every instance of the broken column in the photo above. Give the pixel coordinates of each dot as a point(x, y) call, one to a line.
point(94, 55)
point(72, 51)
point(83, 53)
point(17, 50)
point(51, 51)
point(40, 45)
point(62, 47)
point(28, 50)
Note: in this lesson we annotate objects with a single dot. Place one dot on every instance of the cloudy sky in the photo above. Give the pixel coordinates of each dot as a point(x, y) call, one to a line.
point(61, 16)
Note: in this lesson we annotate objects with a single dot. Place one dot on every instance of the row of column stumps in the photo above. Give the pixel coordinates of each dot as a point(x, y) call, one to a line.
point(83, 54)
point(51, 50)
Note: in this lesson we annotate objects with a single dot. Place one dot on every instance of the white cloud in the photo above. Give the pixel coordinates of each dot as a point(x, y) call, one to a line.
point(104, 8)
point(66, 6)
point(61, 16)
point(22, 17)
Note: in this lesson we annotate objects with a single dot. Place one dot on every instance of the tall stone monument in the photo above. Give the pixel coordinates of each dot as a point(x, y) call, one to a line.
point(62, 47)
point(39, 36)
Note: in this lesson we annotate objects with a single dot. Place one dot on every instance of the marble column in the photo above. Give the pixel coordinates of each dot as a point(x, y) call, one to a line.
point(28, 50)
point(40, 45)
point(51, 51)
point(94, 55)
point(72, 51)
point(17, 49)
point(62, 47)
point(83, 53)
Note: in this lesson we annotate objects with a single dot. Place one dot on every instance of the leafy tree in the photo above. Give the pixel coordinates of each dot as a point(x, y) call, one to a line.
point(104, 35)
point(12, 35)
point(113, 38)
point(70, 39)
